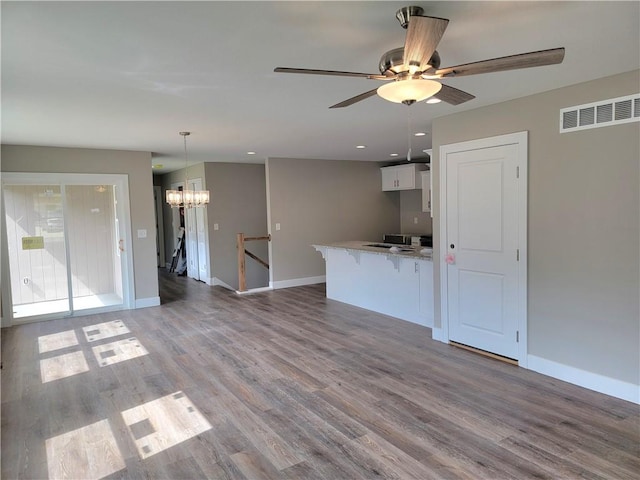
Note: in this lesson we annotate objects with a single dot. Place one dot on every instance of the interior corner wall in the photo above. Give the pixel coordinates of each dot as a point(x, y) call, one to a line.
point(137, 165)
point(320, 201)
point(583, 225)
point(238, 205)
point(410, 211)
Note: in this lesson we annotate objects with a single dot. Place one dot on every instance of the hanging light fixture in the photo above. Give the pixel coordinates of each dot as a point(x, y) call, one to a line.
point(187, 198)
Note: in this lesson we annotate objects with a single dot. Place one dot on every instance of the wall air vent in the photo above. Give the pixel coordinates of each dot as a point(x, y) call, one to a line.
point(600, 114)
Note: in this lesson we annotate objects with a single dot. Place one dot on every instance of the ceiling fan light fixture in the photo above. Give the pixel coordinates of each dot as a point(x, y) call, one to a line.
point(409, 90)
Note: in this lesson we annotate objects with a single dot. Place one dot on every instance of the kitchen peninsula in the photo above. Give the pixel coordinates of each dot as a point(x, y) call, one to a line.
point(391, 279)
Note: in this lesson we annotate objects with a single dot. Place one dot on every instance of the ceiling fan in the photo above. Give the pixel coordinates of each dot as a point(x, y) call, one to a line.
point(415, 68)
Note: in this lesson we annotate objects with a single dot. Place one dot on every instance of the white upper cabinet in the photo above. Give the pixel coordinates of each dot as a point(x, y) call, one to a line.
point(426, 191)
point(401, 177)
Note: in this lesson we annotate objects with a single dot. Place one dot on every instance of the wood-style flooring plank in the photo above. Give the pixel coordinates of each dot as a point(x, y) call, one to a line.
point(288, 385)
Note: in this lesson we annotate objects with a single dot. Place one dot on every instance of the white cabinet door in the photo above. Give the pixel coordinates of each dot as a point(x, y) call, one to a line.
point(407, 177)
point(389, 179)
point(426, 191)
point(426, 292)
point(401, 177)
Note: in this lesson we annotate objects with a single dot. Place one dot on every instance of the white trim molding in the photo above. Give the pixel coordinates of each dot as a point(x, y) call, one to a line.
point(298, 282)
point(147, 302)
point(592, 381)
point(215, 281)
point(254, 290)
point(437, 334)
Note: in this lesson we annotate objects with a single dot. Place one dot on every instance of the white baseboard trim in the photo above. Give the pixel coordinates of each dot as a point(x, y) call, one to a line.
point(254, 290)
point(437, 334)
point(298, 282)
point(592, 381)
point(215, 281)
point(147, 302)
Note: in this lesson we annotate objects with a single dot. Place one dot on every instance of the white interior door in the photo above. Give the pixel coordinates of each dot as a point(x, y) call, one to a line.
point(196, 246)
point(191, 243)
point(483, 244)
point(201, 234)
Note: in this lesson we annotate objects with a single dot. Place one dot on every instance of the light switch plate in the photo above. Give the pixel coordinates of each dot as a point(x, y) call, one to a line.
point(142, 233)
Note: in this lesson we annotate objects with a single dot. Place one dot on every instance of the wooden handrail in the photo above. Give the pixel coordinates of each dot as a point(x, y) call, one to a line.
point(241, 239)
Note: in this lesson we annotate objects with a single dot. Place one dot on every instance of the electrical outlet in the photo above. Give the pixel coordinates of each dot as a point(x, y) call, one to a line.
point(415, 220)
point(142, 233)
point(216, 226)
point(277, 227)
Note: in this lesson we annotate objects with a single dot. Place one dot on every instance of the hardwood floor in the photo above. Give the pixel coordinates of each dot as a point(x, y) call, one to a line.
point(288, 385)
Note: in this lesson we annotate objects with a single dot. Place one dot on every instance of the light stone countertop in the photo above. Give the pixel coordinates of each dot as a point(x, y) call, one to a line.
point(364, 246)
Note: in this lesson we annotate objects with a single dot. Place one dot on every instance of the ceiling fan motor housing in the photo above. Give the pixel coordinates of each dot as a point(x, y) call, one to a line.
point(392, 62)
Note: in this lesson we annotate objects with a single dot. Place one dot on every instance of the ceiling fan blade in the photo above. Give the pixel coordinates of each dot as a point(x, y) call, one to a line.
point(511, 62)
point(453, 96)
point(356, 99)
point(332, 72)
point(423, 36)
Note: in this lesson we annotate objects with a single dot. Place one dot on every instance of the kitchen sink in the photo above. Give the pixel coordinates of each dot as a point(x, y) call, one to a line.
point(378, 245)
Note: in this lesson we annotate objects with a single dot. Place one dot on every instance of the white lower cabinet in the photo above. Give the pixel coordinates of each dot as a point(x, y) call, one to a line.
point(400, 287)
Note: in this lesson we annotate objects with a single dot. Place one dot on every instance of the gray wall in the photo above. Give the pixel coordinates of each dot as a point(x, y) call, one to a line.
point(583, 224)
point(319, 201)
point(411, 208)
point(137, 165)
point(238, 205)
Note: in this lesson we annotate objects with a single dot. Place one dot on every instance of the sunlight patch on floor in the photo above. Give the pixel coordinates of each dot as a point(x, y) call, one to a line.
point(120, 351)
point(160, 424)
point(88, 452)
point(104, 330)
point(57, 341)
point(63, 366)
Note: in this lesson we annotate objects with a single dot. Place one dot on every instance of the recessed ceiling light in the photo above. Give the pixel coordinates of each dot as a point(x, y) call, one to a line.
point(157, 166)
point(361, 146)
point(393, 155)
point(434, 100)
point(420, 134)
point(251, 153)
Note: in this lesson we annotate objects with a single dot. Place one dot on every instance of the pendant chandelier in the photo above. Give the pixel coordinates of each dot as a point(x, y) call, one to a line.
point(187, 198)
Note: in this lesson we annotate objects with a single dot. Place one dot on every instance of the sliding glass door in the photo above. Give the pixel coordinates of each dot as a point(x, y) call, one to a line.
point(37, 250)
point(66, 245)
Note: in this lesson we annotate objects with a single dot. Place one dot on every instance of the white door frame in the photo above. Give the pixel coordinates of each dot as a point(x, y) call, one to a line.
point(520, 139)
point(157, 195)
point(121, 182)
point(175, 216)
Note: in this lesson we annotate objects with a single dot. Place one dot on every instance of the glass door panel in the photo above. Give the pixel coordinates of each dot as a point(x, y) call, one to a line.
point(94, 260)
point(36, 246)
